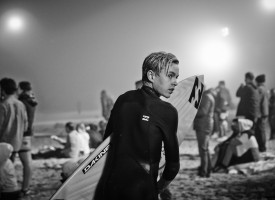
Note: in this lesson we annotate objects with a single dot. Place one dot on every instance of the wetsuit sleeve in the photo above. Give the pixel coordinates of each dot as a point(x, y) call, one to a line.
point(171, 146)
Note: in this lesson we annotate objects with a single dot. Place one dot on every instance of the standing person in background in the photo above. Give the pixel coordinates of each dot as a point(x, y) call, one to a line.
point(28, 99)
point(13, 118)
point(223, 103)
point(271, 113)
point(107, 104)
point(224, 93)
point(140, 122)
point(102, 127)
point(261, 123)
point(203, 125)
point(249, 99)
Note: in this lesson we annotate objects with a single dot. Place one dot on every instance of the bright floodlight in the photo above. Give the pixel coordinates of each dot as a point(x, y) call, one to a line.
point(215, 54)
point(225, 31)
point(268, 4)
point(15, 23)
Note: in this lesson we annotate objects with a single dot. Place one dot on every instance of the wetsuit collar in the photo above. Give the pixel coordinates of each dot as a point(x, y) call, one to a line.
point(150, 91)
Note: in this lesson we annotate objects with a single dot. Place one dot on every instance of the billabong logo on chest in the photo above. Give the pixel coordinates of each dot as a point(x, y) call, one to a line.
point(196, 94)
point(145, 118)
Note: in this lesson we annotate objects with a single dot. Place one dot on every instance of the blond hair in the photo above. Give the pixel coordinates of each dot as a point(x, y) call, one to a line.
point(156, 62)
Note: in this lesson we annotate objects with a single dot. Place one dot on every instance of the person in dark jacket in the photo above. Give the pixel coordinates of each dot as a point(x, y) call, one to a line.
point(260, 129)
point(223, 103)
point(271, 113)
point(203, 125)
point(139, 123)
point(28, 99)
point(248, 106)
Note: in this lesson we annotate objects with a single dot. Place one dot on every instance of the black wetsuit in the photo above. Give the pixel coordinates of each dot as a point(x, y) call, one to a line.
point(140, 121)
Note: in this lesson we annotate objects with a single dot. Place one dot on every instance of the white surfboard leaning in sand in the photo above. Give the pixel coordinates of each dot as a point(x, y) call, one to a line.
point(82, 183)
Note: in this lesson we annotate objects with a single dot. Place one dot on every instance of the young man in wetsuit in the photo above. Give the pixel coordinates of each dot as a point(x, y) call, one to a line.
point(139, 123)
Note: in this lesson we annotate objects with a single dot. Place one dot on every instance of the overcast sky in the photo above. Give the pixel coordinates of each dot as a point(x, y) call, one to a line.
point(72, 49)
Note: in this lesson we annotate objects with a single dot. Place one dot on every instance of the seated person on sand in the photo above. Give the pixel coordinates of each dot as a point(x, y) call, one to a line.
point(84, 139)
point(8, 181)
point(69, 167)
point(96, 138)
point(71, 145)
point(241, 147)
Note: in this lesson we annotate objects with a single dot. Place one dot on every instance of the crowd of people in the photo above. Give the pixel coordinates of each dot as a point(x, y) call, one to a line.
point(80, 141)
point(17, 111)
point(243, 138)
point(246, 139)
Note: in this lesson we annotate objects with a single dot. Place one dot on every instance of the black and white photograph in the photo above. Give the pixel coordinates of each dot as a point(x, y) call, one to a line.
point(137, 100)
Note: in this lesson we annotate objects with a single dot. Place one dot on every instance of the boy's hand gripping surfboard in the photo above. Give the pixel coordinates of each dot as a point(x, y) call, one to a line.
point(82, 183)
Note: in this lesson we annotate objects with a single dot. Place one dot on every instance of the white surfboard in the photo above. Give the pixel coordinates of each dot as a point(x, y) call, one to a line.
point(82, 183)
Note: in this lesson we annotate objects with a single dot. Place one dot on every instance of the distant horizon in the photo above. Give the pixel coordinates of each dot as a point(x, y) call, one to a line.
point(57, 117)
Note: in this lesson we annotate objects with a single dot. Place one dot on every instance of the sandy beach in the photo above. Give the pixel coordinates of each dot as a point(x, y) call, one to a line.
point(187, 185)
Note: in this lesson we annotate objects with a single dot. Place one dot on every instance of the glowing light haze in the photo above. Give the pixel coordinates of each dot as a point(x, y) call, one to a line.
point(72, 49)
point(15, 23)
point(269, 5)
point(225, 31)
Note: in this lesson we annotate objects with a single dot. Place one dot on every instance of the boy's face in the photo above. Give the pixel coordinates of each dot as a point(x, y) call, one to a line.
point(166, 81)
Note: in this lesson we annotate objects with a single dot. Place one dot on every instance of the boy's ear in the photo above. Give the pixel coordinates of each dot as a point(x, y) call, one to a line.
point(151, 76)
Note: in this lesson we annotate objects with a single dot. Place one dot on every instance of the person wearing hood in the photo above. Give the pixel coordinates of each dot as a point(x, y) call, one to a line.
point(28, 99)
point(240, 147)
point(8, 181)
point(248, 106)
